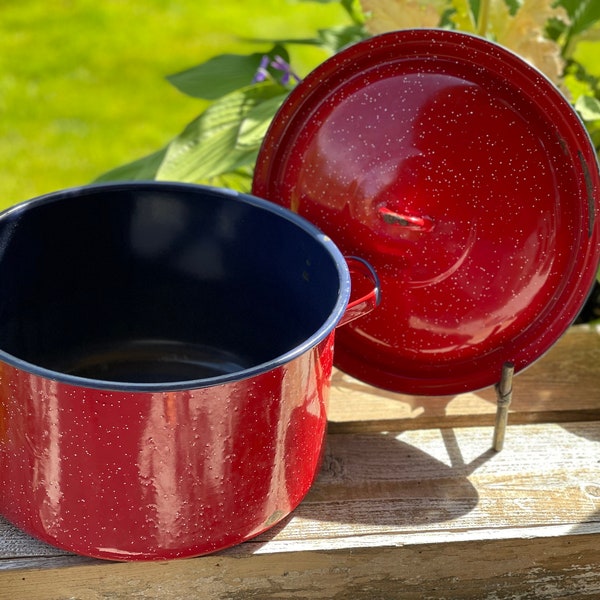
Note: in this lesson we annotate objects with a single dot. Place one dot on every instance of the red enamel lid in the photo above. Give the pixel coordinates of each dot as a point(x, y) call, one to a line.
point(467, 181)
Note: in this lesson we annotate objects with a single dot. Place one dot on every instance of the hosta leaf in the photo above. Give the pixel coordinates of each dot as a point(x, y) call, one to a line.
point(141, 169)
point(254, 126)
point(209, 146)
point(240, 180)
point(222, 74)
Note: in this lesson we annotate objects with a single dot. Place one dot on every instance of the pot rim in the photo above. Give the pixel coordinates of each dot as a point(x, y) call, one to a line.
point(314, 339)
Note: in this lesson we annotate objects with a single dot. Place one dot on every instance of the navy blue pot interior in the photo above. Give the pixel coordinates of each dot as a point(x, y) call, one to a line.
point(160, 284)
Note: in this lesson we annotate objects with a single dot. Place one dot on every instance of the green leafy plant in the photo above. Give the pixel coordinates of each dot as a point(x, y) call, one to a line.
point(243, 92)
point(220, 146)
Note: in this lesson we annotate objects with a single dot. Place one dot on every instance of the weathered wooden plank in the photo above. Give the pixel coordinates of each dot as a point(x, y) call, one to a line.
point(448, 481)
point(437, 482)
point(560, 387)
point(484, 570)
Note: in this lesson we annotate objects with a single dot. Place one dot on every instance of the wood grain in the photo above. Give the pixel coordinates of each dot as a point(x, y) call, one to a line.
point(562, 386)
point(494, 570)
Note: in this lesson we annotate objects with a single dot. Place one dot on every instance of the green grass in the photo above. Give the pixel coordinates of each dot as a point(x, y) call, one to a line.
point(82, 82)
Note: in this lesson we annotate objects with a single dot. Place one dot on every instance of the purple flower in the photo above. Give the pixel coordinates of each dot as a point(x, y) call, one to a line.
point(279, 64)
point(283, 66)
point(261, 73)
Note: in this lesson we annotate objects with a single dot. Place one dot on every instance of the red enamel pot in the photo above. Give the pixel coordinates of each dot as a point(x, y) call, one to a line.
point(165, 354)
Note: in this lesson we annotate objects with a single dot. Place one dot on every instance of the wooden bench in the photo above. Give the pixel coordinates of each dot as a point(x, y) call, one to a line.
point(411, 502)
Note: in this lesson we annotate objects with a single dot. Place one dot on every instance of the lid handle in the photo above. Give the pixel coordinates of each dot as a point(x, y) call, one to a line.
point(404, 220)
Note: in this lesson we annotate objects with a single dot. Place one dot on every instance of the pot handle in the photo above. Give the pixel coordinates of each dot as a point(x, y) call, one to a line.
point(365, 290)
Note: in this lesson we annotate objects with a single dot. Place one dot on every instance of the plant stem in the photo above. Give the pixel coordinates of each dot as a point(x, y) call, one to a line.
point(484, 14)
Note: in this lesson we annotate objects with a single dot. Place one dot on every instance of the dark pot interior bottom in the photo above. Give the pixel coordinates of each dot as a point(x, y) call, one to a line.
point(152, 361)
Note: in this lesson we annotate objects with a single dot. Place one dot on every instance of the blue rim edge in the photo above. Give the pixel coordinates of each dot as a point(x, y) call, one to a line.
point(318, 336)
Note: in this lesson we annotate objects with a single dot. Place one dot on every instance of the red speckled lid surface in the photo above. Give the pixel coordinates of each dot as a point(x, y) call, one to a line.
point(467, 181)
